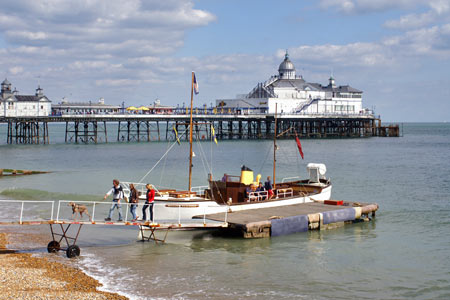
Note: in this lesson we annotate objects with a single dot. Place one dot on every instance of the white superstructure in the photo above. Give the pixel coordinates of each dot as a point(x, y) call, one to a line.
point(293, 95)
point(14, 105)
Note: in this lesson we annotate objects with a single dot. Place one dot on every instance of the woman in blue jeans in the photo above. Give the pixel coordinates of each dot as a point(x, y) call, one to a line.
point(150, 197)
point(134, 199)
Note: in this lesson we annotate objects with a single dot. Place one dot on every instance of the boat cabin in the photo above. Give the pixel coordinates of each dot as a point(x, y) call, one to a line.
point(241, 189)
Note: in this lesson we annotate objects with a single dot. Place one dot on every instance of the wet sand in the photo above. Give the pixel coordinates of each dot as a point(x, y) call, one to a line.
point(24, 276)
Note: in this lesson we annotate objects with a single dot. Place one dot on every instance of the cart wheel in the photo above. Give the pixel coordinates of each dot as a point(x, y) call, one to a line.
point(73, 251)
point(53, 247)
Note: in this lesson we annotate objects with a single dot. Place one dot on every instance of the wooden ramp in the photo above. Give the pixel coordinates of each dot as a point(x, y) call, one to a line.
point(256, 223)
point(65, 227)
point(62, 240)
point(164, 225)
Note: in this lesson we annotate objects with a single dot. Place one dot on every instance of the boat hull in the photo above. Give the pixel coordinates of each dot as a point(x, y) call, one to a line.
point(185, 209)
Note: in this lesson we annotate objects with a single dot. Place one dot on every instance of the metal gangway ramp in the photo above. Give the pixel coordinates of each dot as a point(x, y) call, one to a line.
point(60, 217)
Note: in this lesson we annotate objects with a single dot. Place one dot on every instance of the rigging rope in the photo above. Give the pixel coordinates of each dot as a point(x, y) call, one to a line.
point(164, 166)
point(175, 142)
point(265, 158)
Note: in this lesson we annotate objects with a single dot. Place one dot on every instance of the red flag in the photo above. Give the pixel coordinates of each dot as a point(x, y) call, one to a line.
point(299, 146)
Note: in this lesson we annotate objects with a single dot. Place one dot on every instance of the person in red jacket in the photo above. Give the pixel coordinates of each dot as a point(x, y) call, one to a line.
point(150, 198)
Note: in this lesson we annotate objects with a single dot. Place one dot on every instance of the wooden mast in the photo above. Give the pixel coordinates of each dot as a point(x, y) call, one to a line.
point(275, 148)
point(190, 136)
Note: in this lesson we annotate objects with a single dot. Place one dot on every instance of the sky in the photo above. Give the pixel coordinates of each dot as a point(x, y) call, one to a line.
point(137, 51)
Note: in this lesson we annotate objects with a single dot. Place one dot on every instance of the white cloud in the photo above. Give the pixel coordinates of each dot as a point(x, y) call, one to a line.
point(440, 6)
point(368, 6)
point(117, 82)
point(428, 42)
point(86, 24)
point(85, 40)
point(411, 21)
point(15, 70)
point(424, 34)
point(123, 51)
point(29, 35)
point(355, 54)
point(438, 10)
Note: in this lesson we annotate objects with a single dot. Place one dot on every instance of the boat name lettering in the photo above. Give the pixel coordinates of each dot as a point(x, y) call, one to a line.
point(182, 205)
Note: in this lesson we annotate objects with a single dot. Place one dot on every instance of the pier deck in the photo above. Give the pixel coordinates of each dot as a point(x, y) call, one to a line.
point(146, 128)
point(266, 222)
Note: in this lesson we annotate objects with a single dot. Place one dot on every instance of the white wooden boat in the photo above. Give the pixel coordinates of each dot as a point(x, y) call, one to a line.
point(229, 195)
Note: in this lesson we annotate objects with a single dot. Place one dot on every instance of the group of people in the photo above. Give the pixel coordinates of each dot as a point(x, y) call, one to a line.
point(118, 195)
point(254, 192)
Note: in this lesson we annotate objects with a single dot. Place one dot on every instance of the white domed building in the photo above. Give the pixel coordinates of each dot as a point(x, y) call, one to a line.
point(14, 105)
point(293, 95)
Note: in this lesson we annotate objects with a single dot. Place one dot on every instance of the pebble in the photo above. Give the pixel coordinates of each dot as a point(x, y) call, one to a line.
point(23, 276)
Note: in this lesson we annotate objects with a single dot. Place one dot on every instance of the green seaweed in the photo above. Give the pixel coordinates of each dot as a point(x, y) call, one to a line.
point(35, 194)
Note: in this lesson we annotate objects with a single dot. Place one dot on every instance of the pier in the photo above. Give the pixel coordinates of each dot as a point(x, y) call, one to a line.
point(282, 220)
point(157, 127)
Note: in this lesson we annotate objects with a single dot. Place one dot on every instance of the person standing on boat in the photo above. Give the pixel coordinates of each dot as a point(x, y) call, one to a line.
point(150, 197)
point(268, 187)
point(117, 192)
point(134, 199)
point(225, 177)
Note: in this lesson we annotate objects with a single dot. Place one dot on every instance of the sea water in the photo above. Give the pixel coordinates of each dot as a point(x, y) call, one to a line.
point(403, 254)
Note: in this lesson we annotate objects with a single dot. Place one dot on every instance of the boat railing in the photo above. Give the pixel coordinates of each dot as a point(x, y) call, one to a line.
point(24, 209)
point(289, 178)
point(140, 187)
point(284, 192)
point(232, 178)
point(257, 196)
point(199, 189)
point(186, 206)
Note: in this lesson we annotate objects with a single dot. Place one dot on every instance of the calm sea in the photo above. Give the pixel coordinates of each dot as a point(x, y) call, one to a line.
point(403, 254)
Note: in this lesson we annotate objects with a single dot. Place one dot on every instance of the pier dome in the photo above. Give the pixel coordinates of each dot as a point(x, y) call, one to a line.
point(6, 89)
point(286, 69)
point(6, 85)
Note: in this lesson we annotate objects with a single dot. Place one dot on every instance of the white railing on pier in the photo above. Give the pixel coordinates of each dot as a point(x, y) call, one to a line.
point(64, 212)
point(8, 206)
point(305, 104)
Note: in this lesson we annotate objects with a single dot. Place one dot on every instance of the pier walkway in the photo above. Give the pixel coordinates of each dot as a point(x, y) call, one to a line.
point(154, 127)
point(60, 217)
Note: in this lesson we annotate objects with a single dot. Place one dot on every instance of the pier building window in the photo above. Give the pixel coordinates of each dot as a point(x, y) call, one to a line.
point(345, 108)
